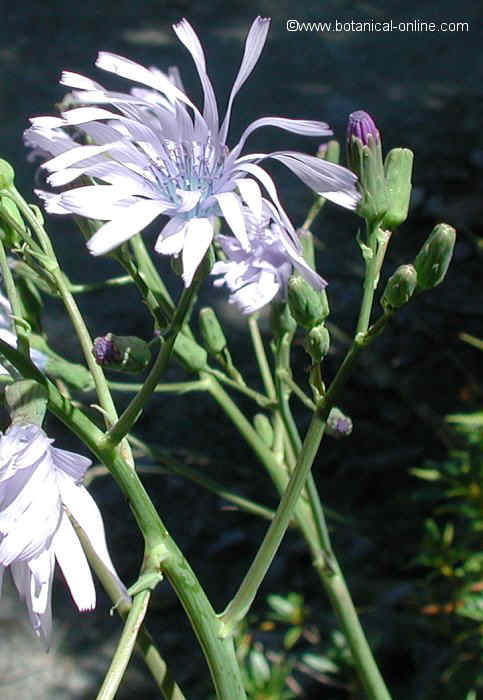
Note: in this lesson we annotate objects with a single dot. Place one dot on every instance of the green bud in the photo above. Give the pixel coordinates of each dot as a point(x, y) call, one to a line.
point(317, 343)
point(211, 332)
point(264, 428)
point(121, 353)
point(191, 355)
point(7, 175)
point(398, 168)
point(400, 287)
point(433, 259)
point(281, 320)
point(26, 401)
point(307, 306)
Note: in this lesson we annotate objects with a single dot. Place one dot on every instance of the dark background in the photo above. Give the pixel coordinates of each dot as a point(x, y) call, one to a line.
point(425, 92)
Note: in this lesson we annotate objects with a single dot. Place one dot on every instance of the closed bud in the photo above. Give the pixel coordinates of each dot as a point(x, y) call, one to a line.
point(433, 259)
point(121, 353)
point(364, 156)
point(317, 343)
point(398, 168)
point(27, 402)
point(307, 306)
point(338, 424)
point(400, 287)
point(191, 355)
point(264, 428)
point(211, 332)
point(7, 175)
point(281, 320)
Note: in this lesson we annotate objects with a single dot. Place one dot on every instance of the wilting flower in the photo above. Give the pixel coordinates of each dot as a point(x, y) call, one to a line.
point(39, 485)
point(8, 336)
point(259, 274)
point(155, 153)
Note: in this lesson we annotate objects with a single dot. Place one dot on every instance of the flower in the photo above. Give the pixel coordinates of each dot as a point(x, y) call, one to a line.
point(259, 274)
point(8, 336)
point(39, 485)
point(155, 153)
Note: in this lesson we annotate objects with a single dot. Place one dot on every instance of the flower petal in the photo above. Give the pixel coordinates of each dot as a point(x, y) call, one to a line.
point(231, 210)
point(199, 234)
point(250, 191)
point(171, 239)
point(185, 33)
point(70, 463)
point(85, 512)
point(254, 44)
point(73, 562)
point(119, 230)
point(305, 127)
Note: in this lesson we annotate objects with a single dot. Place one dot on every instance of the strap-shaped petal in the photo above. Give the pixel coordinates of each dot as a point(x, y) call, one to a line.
point(199, 234)
point(254, 44)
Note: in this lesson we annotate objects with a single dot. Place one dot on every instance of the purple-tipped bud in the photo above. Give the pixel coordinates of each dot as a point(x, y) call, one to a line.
point(105, 350)
point(338, 424)
point(362, 126)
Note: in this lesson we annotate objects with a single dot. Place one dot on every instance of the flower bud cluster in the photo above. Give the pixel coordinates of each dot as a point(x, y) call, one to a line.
point(385, 186)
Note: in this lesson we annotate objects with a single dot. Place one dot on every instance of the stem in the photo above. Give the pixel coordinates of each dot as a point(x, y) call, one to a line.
point(260, 399)
point(97, 286)
point(172, 388)
point(261, 356)
point(125, 647)
point(118, 431)
point(20, 324)
point(241, 602)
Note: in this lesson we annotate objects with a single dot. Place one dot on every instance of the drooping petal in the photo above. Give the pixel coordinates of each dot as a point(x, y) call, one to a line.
point(73, 562)
point(119, 230)
point(231, 210)
point(199, 234)
point(254, 44)
point(85, 512)
point(250, 191)
point(96, 201)
point(70, 463)
point(334, 182)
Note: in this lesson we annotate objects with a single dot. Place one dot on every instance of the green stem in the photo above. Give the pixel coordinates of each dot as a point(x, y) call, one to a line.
point(153, 280)
point(120, 429)
point(241, 602)
point(171, 388)
point(20, 324)
point(162, 552)
point(98, 286)
point(373, 257)
point(125, 647)
point(261, 356)
point(260, 399)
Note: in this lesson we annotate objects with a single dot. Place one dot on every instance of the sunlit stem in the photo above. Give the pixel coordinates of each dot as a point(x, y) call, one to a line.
point(21, 329)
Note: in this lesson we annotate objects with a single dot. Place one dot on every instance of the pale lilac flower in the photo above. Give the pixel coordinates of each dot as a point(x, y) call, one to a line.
point(39, 486)
point(258, 275)
point(155, 153)
point(8, 336)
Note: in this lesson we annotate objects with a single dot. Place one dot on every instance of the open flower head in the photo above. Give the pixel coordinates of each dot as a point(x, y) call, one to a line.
point(39, 485)
point(152, 152)
point(258, 275)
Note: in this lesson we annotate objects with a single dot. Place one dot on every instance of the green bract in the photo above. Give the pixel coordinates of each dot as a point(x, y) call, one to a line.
point(433, 259)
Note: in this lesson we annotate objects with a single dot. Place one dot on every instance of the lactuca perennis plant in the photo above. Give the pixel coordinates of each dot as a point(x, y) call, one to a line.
point(123, 161)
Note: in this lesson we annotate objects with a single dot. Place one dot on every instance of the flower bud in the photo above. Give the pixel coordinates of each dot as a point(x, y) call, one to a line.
point(307, 306)
point(398, 168)
point(400, 287)
point(264, 428)
point(338, 424)
point(191, 355)
point(317, 343)
point(7, 175)
point(364, 155)
point(211, 332)
point(281, 320)
point(433, 259)
point(26, 401)
point(121, 353)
